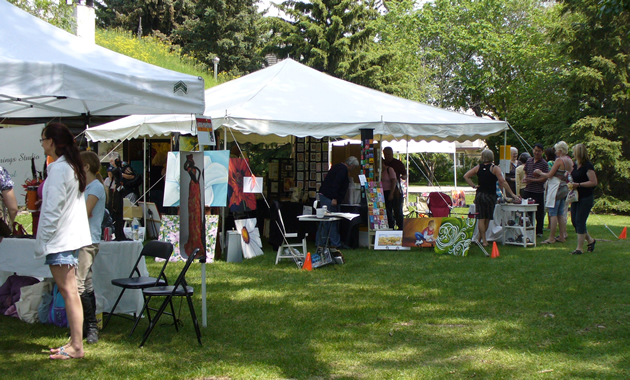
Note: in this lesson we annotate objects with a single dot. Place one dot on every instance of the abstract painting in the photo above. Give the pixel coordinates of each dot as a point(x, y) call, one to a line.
point(455, 236)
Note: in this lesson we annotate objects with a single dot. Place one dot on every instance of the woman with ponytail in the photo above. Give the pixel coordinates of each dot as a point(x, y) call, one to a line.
point(64, 228)
point(95, 202)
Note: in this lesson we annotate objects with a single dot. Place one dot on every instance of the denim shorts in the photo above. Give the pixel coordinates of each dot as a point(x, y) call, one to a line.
point(558, 209)
point(63, 258)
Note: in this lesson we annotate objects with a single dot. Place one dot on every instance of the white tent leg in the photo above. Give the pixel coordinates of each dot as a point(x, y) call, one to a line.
point(204, 314)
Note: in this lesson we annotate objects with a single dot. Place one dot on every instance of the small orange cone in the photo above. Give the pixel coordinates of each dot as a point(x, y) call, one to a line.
point(495, 250)
point(623, 234)
point(308, 265)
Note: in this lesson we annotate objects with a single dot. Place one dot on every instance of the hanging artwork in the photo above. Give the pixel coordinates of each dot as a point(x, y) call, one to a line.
point(169, 232)
point(455, 236)
point(215, 167)
point(238, 200)
point(250, 237)
point(420, 232)
point(377, 215)
point(191, 209)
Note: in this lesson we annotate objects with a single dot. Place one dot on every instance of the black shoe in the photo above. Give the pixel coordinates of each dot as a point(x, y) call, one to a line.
point(591, 247)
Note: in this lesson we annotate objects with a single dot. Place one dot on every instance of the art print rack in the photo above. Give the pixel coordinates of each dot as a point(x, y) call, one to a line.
point(377, 213)
point(311, 164)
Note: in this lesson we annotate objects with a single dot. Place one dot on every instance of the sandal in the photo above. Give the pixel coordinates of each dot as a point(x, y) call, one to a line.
point(62, 355)
point(591, 247)
point(547, 242)
point(577, 252)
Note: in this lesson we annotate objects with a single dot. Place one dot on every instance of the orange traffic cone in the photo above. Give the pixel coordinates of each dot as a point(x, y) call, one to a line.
point(308, 264)
point(623, 234)
point(495, 250)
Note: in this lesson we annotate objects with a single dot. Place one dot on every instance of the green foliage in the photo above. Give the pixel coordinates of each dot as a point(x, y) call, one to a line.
point(56, 13)
point(228, 29)
point(158, 17)
point(332, 36)
point(598, 87)
point(155, 51)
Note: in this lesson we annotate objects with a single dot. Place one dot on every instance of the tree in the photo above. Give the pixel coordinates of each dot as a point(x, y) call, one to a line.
point(228, 29)
point(153, 16)
point(598, 87)
point(332, 36)
point(56, 13)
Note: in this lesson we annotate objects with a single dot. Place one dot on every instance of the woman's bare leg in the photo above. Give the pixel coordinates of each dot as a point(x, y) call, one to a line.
point(66, 281)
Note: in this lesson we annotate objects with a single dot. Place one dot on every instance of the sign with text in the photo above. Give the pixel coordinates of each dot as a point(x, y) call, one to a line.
point(17, 146)
point(205, 132)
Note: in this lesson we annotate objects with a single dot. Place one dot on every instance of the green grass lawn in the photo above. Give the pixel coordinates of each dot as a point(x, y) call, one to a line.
point(535, 313)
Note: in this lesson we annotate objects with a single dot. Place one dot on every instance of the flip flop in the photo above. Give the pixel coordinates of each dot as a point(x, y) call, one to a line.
point(591, 247)
point(547, 242)
point(62, 355)
point(577, 252)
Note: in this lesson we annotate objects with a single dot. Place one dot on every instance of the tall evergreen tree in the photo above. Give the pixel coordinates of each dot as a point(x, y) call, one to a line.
point(597, 82)
point(332, 36)
point(228, 29)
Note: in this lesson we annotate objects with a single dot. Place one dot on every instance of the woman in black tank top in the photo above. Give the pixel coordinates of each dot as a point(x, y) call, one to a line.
point(488, 174)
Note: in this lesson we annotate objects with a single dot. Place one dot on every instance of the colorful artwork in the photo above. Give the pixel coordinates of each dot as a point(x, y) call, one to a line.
point(376, 206)
point(455, 236)
point(191, 211)
point(389, 240)
point(215, 178)
point(250, 237)
point(239, 201)
point(420, 232)
point(169, 231)
point(459, 198)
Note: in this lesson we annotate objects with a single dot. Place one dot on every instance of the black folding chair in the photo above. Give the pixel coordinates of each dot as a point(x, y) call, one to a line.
point(135, 280)
point(179, 289)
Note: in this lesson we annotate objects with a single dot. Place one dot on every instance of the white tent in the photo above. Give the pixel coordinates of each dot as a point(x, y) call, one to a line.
point(48, 72)
point(291, 99)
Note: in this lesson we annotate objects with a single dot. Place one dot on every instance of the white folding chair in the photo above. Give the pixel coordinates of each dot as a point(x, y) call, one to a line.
point(291, 251)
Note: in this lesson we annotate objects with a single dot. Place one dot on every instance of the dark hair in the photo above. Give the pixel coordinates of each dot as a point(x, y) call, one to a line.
point(65, 146)
point(524, 157)
point(539, 145)
point(550, 154)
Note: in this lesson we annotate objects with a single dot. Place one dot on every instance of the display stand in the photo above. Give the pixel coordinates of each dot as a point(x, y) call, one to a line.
point(377, 213)
point(519, 224)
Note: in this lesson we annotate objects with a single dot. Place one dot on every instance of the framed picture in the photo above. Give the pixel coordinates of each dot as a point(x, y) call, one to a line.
point(325, 156)
point(318, 177)
point(313, 176)
point(300, 157)
point(300, 176)
point(318, 166)
point(273, 170)
point(300, 147)
point(389, 240)
point(313, 156)
point(288, 184)
point(274, 187)
point(313, 166)
point(318, 157)
point(311, 194)
point(318, 147)
point(314, 147)
point(300, 185)
point(299, 139)
point(288, 168)
point(300, 166)
point(312, 184)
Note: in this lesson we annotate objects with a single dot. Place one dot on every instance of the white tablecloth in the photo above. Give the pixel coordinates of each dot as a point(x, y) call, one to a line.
point(114, 260)
point(495, 231)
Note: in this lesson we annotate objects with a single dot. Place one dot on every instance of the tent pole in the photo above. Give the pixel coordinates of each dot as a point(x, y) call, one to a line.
point(223, 238)
point(407, 152)
point(455, 163)
point(204, 313)
point(144, 189)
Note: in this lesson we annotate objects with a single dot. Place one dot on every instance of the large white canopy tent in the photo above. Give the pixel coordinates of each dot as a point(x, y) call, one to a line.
point(48, 72)
point(291, 99)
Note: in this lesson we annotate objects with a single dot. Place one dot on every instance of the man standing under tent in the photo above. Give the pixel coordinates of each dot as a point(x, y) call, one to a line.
point(396, 196)
point(332, 193)
point(535, 185)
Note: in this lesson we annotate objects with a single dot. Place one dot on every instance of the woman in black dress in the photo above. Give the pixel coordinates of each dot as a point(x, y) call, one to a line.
point(584, 180)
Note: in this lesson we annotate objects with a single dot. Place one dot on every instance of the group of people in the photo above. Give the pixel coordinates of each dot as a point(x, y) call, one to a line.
point(69, 230)
point(546, 181)
point(334, 187)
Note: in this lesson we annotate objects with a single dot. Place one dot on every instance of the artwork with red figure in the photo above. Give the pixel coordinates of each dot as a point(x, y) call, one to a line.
point(238, 200)
point(196, 238)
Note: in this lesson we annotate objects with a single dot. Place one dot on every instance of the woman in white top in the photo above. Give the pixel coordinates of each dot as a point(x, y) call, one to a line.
point(63, 227)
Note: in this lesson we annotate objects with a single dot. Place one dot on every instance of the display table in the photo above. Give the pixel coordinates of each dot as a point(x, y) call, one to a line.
point(322, 254)
point(114, 260)
point(519, 224)
point(494, 231)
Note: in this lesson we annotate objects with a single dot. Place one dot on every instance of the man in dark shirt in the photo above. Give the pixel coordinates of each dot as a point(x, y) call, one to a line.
point(332, 192)
point(396, 200)
point(536, 185)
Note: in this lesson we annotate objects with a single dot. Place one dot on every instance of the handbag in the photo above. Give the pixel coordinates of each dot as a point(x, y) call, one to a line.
point(572, 196)
point(563, 191)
